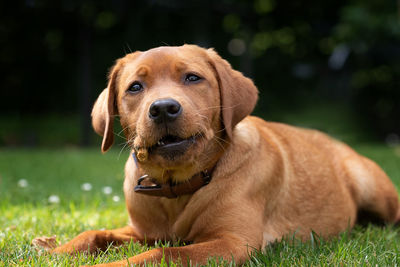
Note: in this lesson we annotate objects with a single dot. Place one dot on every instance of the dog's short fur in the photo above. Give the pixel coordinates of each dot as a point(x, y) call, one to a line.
point(269, 180)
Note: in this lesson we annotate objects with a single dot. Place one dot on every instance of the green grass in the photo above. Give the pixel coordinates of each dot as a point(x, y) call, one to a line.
point(26, 213)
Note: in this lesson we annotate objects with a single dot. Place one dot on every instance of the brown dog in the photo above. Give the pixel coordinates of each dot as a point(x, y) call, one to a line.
point(205, 172)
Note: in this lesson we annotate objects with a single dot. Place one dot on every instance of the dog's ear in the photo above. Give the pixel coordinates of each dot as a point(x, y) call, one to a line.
point(105, 109)
point(238, 94)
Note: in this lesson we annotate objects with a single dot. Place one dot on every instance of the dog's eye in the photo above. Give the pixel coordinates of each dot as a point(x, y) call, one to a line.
point(192, 78)
point(135, 87)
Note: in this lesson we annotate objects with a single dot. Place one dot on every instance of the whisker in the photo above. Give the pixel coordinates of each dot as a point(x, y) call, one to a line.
point(211, 107)
point(120, 152)
point(219, 106)
point(130, 50)
point(219, 131)
point(121, 136)
point(126, 127)
point(218, 139)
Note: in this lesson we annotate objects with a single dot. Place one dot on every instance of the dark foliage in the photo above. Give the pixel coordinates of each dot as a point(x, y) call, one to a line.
point(54, 55)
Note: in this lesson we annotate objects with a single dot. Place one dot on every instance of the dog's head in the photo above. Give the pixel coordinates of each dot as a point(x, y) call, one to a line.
point(178, 104)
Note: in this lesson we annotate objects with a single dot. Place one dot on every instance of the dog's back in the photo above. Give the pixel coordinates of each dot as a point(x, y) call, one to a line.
point(325, 183)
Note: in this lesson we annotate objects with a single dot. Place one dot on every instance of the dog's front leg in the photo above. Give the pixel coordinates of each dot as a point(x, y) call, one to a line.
point(94, 240)
point(193, 254)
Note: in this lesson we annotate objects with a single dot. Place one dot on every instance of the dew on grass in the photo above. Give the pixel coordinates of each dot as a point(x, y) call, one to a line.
point(54, 199)
point(23, 183)
point(107, 190)
point(116, 198)
point(86, 187)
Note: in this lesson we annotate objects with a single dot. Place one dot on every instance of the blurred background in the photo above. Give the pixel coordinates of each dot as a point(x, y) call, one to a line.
point(330, 65)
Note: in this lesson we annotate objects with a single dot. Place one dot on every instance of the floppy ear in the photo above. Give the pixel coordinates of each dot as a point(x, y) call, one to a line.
point(238, 94)
point(104, 111)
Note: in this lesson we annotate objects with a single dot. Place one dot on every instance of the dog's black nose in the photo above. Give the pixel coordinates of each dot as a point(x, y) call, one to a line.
point(165, 110)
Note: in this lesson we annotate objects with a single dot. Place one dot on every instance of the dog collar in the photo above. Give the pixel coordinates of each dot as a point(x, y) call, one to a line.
point(172, 190)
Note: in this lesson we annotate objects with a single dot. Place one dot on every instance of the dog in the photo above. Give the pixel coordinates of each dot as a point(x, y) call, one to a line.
point(203, 171)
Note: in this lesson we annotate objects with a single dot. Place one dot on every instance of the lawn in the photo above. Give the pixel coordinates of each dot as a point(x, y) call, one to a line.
point(66, 191)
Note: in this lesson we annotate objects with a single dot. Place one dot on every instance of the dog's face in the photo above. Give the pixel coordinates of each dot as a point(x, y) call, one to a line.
point(177, 105)
point(169, 102)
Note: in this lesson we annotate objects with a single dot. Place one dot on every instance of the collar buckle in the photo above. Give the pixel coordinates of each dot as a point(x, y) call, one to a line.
point(139, 185)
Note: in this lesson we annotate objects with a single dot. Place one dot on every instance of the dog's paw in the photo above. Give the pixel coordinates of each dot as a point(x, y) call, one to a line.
point(45, 243)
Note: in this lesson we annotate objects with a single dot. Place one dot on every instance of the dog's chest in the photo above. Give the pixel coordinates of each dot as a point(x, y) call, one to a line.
point(176, 216)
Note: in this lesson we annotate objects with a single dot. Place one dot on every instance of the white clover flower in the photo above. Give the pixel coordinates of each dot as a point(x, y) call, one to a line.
point(54, 199)
point(86, 187)
point(116, 198)
point(23, 183)
point(2, 235)
point(107, 190)
point(93, 220)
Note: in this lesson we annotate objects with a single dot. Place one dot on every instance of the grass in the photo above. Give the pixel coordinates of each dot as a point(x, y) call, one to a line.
point(42, 194)
point(28, 211)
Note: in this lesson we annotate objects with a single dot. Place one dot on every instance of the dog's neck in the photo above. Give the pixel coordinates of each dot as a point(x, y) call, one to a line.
point(150, 186)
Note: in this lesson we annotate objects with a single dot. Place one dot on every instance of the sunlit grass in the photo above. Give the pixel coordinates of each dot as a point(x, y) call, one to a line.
point(88, 186)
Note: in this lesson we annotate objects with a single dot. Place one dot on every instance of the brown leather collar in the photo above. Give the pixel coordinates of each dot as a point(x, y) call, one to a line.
point(171, 190)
